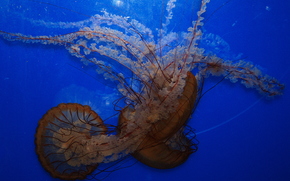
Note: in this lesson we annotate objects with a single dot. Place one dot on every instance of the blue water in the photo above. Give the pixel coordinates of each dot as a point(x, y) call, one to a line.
point(242, 135)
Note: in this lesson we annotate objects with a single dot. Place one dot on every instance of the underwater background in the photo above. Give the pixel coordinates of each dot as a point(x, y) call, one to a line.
point(241, 134)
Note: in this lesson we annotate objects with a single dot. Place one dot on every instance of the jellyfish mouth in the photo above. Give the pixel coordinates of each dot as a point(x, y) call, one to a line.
point(61, 139)
point(165, 145)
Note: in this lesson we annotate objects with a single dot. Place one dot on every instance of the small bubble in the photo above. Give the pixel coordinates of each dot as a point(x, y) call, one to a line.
point(117, 3)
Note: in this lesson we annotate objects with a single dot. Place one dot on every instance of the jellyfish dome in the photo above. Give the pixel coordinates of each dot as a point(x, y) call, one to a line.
point(61, 140)
point(166, 146)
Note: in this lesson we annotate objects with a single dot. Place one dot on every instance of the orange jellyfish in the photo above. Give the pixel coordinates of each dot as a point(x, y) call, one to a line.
point(165, 146)
point(61, 137)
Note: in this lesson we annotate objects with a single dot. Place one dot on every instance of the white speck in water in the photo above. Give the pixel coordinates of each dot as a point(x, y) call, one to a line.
point(117, 3)
point(234, 23)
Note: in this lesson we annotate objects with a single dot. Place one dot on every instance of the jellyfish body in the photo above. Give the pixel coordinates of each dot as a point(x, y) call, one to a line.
point(61, 137)
point(165, 146)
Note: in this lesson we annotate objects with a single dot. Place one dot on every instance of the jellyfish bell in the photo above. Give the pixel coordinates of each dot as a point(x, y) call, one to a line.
point(165, 154)
point(61, 138)
point(165, 145)
point(164, 129)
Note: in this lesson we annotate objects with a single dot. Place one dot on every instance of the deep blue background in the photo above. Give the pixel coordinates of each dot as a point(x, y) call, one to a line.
point(254, 142)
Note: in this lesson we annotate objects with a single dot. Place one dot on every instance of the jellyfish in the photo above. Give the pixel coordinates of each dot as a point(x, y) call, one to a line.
point(166, 69)
point(159, 148)
point(61, 136)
